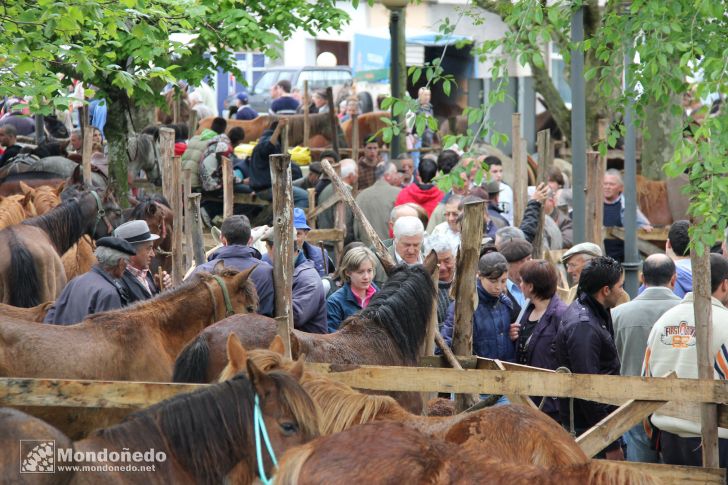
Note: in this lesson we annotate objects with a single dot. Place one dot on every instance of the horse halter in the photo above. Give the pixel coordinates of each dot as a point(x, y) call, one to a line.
point(229, 311)
point(259, 426)
point(101, 214)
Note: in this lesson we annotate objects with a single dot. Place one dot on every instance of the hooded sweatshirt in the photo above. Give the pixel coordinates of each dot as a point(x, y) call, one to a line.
point(426, 195)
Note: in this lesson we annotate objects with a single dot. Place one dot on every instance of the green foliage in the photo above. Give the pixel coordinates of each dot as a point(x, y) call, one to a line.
point(124, 47)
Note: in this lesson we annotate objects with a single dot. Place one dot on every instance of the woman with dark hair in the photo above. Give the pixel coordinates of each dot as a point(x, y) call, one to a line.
point(492, 317)
point(535, 333)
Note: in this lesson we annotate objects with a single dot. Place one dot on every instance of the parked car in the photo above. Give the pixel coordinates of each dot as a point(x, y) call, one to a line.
point(317, 77)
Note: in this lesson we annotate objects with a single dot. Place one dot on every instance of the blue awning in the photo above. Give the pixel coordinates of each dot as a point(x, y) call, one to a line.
point(435, 39)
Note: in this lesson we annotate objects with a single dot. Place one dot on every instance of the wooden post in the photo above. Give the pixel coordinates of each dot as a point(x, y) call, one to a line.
point(520, 171)
point(543, 144)
point(466, 296)
point(198, 241)
point(166, 149)
point(177, 202)
point(39, 129)
point(332, 119)
point(355, 138)
point(344, 192)
point(433, 327)
point(189, 253)
point(311, 207)
point(285, 142)
point(280, 169)
point(192, 124)
point(175, 106)
point(594, 198)
point(704, 337)
point(87, 147)
point(306, 121)
point(227, 188)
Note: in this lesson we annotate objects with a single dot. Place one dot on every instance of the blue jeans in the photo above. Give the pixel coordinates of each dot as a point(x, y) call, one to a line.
point(638, 446)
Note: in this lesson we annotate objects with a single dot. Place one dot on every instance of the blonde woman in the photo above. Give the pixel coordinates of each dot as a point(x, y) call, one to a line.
point(357, 272)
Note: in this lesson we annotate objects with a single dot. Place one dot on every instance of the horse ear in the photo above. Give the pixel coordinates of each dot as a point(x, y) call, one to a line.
point(25, 188)
point(258, 378)
point(295, 346)
point(219, 266)
point(241, 278)
point(431, 262)
point(297, 369)
point(277, 345)
point(236, 353)
point(386, 264)
point(77, 175)
point(60, 188)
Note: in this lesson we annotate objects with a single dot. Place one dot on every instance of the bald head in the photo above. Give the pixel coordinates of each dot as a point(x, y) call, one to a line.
point(658, 270)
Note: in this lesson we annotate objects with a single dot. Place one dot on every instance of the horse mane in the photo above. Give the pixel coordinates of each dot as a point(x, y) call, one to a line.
point(45, 199)
point(402, 307)
point(209, 431)
point(342, 407)
point(12, 210)
point(65, 224)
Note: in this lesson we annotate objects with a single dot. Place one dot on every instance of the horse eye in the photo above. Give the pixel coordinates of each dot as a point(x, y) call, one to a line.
point(289, 428)
point(250, 309)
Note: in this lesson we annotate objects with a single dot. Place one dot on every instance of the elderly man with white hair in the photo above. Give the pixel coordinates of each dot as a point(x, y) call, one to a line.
point(446, 246)
point(409, 234)
point(612, 187)
point(349, 175)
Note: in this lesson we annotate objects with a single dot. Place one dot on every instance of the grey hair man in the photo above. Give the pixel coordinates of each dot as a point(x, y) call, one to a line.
point(446, 246)
point(614, 205)
point(98, 290)
point(409, 234)
point(508, 233)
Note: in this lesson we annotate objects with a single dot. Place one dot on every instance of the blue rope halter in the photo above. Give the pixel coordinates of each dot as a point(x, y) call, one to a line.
point(259, 425)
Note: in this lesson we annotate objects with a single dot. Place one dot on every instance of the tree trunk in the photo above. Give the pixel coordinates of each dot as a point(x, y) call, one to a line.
point(117, 133)
point(657, 145)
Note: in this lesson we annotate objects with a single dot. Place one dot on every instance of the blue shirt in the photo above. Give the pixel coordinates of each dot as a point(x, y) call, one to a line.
point(284, 105)
point(515, 291)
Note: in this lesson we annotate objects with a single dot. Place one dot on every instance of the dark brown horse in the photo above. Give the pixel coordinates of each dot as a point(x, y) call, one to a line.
point(31, 271)
point(320, 124)
point(159, 217)
point(196, 438)
point(390, 331)
point(384, 453)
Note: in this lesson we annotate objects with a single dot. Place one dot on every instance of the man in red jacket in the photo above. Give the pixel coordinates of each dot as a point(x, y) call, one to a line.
point(422, 191)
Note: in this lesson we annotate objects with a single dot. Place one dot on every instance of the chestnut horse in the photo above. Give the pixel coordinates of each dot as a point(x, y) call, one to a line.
point(390, 331)
point(320, 124)
point(35, 314)
point(508, 433)
point(204, 436)
point(14, 209)
point(369, 124)
point(31, 272)
point(384, 453)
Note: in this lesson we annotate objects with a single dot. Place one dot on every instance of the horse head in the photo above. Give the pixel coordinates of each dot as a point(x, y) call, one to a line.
point(157, 214)
point(99, 205)
point(143, 152)
point(237, 290)
point(291, 418)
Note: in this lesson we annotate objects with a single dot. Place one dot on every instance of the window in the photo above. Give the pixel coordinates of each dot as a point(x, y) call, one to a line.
point(265, 82)
point(557, 69)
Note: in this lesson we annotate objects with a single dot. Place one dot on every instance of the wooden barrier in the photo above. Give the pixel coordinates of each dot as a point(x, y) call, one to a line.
point(544, 158)
point(166, 150)
point(520, 171)
point(177, 201)
point(595, 168)
point(227, 187)
point(87, 147)
point(306, 120)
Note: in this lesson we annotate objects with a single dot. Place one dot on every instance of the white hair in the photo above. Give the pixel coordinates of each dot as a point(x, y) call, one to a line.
point(442, 242)
point(109, 257)
point(408, 226)
point(348, 167)
point(615, 173)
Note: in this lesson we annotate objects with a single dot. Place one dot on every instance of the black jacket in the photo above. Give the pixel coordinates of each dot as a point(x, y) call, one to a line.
point(529, 223)
point(135, 290)
point(585, 345)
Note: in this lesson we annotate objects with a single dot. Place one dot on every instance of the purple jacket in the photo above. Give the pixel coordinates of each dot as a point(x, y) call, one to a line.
point(308, 298)
point(541, 350)
point(241, 257)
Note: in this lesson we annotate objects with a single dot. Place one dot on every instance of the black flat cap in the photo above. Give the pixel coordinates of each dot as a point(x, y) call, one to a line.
point(116, 243)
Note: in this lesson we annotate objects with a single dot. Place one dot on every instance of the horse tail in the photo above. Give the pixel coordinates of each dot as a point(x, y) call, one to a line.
point(289, 471)
point(25, 286)
point(191, 364)
point(605, 473)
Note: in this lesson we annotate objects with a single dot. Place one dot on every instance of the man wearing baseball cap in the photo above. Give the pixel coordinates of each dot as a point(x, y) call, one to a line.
point(322, 261)
point(244, 111)
point(137, 279)
point(98, 290)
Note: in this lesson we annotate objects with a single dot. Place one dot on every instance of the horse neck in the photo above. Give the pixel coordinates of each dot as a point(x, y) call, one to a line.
point(68, 222)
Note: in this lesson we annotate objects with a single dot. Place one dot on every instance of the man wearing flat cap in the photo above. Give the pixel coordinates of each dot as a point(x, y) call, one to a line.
point(495, 211)
point(99, 290)
point(137, 279)
point(575, 259)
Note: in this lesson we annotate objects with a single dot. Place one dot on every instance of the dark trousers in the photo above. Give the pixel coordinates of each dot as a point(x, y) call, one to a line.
point(688, 451)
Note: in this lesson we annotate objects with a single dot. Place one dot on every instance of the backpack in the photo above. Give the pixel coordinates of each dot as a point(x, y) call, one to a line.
point(210, 169)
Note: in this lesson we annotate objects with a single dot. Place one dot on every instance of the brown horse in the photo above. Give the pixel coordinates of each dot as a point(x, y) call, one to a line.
point(159, 217)
point(369, 124)
point(320, 124)
point(35, 314)
point(384, 453)
point(36, 246)
point(507, 433)
point(200, 437)
point(390, 331)
point(14, 209)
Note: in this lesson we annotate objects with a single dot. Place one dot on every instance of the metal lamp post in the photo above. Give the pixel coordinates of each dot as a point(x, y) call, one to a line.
point(397, 64)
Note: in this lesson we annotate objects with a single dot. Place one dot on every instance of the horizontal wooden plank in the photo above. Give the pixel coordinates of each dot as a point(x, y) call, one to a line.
point(85, 393)
point(316, 235)
point(677, 474)
point(581, 386)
